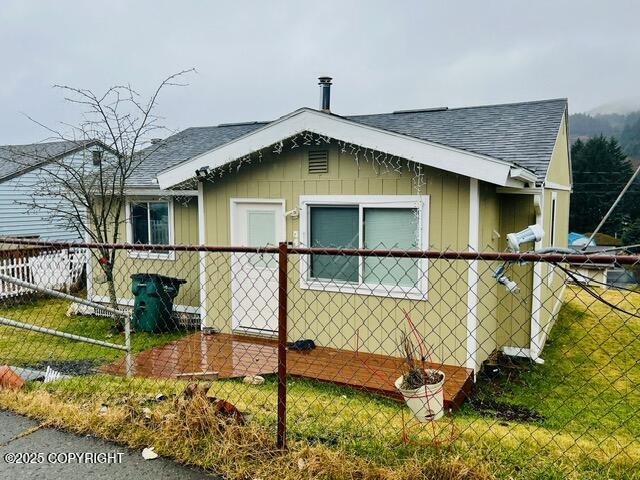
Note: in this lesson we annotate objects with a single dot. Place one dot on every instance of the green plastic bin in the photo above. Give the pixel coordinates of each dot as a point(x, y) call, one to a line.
point(153, 304)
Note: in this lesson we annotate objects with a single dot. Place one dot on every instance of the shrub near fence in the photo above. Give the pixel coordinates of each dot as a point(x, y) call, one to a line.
point(305, 346)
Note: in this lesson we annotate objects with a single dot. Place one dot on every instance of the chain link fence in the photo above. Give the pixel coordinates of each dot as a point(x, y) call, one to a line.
point(526, 364)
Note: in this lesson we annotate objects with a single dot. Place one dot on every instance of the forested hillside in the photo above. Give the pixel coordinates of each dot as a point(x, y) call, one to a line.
point(624, 128)
point(605, 151)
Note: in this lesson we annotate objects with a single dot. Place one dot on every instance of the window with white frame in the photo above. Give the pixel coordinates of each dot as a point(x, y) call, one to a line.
point(389, 222)
point(149, 223)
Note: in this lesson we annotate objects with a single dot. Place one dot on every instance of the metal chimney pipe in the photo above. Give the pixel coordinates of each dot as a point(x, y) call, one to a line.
point(325, 93)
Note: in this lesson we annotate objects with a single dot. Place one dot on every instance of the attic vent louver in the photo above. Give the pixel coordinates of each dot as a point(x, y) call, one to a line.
point(318, 161)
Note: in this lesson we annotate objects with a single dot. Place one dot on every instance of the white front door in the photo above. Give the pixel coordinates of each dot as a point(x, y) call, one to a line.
point(254, 283)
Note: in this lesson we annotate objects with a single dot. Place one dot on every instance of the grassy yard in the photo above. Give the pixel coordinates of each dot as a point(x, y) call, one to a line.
point(21, 347)
point(586, 393)
point(589, 384)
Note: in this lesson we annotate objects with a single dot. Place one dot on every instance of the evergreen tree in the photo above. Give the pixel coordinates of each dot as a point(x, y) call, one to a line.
point(630, 138)
point(631, 234)
point(600, 171)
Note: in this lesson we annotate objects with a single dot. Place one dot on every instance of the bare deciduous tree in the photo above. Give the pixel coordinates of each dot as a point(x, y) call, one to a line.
point(89, 195)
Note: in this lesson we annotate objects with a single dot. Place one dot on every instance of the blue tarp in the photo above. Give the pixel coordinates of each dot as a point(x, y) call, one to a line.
point(574, 239)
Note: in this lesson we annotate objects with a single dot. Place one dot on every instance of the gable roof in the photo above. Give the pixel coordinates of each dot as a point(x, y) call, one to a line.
point(326, 125)
point(18, 159)
point(183, 146)
point(521, 134)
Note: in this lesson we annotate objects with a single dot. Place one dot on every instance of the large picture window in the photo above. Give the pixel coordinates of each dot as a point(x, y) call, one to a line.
point(394, 222)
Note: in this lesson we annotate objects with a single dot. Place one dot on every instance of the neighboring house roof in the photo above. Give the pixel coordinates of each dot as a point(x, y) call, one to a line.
point(522, 134)
point(18, 159)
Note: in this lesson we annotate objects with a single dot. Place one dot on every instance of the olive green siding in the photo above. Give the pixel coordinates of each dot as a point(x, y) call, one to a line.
point(514, 312)
point(338, 319)
point(559, 171)
point(488, 292)
point(185, 265)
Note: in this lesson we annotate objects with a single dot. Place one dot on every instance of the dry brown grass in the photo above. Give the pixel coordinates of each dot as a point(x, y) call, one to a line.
point(189, 431)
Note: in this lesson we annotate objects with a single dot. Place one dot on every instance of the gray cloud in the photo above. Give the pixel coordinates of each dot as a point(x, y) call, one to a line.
point(259, 60)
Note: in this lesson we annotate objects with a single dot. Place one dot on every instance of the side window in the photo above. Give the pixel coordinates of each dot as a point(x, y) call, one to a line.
point(150, 223)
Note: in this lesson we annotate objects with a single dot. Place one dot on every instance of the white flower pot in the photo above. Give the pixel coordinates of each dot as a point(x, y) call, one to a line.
point(427, 402)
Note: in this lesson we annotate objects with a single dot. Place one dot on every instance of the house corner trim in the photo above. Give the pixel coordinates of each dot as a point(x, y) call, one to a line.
point(473, 277)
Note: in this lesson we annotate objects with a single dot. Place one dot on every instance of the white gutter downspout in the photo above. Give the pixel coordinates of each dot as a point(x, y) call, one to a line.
point(536, 302)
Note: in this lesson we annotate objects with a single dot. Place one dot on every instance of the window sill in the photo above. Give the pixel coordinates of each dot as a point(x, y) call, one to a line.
point(367, 290)
point(143, 255)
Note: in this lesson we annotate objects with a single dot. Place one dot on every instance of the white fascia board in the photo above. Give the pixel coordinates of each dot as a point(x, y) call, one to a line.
point(144, 192)
point(520, 191)
point(431, 154)
point(556, 186)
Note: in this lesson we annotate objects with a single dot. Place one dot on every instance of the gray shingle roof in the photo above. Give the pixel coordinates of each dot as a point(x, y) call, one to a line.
point(15, 159)
point(520, 133)
point(185, 145)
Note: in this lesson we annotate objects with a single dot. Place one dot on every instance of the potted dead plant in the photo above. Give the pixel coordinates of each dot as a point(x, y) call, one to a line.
point(421, 387)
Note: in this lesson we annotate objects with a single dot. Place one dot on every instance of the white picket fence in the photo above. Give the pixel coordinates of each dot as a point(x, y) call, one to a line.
point(58, 269)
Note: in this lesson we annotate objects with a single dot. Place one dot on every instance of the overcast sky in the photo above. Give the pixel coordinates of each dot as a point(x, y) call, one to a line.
point(258, 60)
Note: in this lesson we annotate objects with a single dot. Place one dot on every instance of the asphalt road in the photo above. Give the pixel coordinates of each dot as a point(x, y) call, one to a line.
point(56, 463)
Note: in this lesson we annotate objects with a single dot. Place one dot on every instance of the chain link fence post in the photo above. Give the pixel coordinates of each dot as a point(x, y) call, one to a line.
point(282, 344)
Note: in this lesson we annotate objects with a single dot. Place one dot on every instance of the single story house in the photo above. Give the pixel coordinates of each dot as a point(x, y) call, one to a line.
point(439, 179)
point(23, 169)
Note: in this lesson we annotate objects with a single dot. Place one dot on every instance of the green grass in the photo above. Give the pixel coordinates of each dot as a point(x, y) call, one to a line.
point(587, 391)
point(590, 382)
point(21, 347)
point(371, 427)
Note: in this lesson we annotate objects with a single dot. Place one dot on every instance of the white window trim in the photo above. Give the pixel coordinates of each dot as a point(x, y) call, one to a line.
point(367, 201)
point(166, 255)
